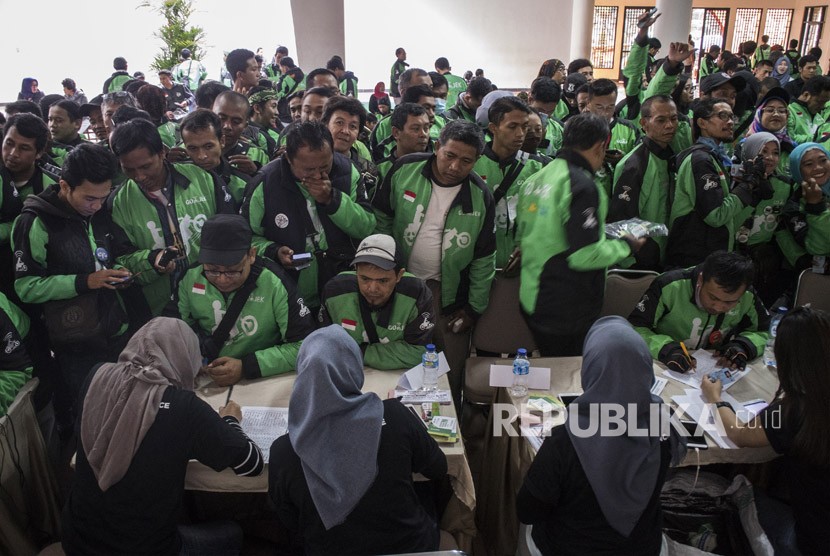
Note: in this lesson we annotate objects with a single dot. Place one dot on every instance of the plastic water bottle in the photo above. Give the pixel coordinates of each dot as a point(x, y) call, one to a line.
point(521, 368)
point(429, 361)
point(769, 350)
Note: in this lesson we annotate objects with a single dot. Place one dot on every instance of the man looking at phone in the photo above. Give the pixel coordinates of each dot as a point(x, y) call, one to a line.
point(710, 306)
point(157, 214)
point(63, 257)
point(264, 333)
point(308, 209)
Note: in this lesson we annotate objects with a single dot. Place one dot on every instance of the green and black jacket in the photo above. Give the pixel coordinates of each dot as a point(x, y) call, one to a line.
point(806, 228)
point(282, 213)
point(15, 364)
point(56, 249)
point(11, 198)
point(469, 245)
point(58, 150)
point(668, 314)
point(459, 111)
point(643, 188)
point(115, 81)
point(381, 142)
point(261, 138)
point(403, 325)
point(624, 137)
point(561, 231)
point(270, 328)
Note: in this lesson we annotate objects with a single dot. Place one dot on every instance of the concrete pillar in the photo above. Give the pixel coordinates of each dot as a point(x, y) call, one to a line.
point(582, 25)
point(675, 23)
point(319, 31)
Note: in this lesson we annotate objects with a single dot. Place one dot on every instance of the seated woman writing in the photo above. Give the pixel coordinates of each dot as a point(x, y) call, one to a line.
point(588, 492)
point(140, 425)
point(796, 425)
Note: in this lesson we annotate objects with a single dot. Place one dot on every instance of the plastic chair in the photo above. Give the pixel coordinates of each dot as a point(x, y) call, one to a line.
point(501, 329)
point(813, 290)
point(623, 290)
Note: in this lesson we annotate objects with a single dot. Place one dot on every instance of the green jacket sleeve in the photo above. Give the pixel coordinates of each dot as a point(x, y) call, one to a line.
point(128, 255)
point(645, 316)
point(382, 203)
point(585, 231)
point(634, 68)
point(483, 266)
point(664, 80)
point(817, 241)
point(352, 213)
point(5, 232)
point(275, 360)
point(33, 282)
point(10, 384)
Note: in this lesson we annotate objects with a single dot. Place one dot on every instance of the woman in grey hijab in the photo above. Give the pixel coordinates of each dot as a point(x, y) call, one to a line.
point(759, 233)
point(341, 478)
point(591, 490)
point(140, 425)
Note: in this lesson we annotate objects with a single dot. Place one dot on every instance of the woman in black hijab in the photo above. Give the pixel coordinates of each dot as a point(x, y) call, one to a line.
point(591, 490)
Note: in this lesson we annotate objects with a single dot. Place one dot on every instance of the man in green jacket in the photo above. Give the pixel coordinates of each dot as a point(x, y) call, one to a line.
point(644, 179)
point(504, 167)
point(15, 364)
point(232, 109)
point(64, 264)
point(443, 216)
point(705, 208)
point(710, 306)
point(561, 233)
point(267, 330)
point(805, 111)
point(422, 95)
point(398, 68)
point(308, 209)
point(158, 213)
point(379, 137)
point(386, 310)
point(64, 121)
point(469, 101)
point(455, 85)
point(410, 133)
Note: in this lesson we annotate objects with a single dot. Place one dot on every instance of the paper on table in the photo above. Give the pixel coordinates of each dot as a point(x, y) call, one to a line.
point(416, 397)
point(414, 377)
point(501, 376)
point(695, 407)
point(706, 364)
point(263, 425)
point(659, 384)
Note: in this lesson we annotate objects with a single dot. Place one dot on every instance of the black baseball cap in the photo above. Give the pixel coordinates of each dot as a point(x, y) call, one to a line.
point(573, 82)
point(94, 104)
point(775, 93)
point(226, 238)
point(715, 80)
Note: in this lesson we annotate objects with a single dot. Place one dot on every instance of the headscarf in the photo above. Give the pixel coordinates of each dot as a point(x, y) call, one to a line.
point(622, 470)
point(550, 67)
point(782, 78)
point(332, 426)
point(26, 88)
point(123, 398)
point(795, 163)
point(753, 144)
point(263, 95)
point(483, 111)
point(756, 126)
point(380, 90)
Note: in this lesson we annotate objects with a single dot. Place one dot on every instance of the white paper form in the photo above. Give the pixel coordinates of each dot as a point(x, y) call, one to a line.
point(263, 425)
point(706, 364)
point(501, 376)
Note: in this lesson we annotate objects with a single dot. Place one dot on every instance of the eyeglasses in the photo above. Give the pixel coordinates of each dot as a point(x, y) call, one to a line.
point(724, 116)
point(226, 273)
point(771, 111)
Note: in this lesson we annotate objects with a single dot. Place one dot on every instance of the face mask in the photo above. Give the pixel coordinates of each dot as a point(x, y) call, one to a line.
point(440, 105)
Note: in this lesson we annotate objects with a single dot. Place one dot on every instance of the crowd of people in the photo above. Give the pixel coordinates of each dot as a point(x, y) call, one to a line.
point(213, 226)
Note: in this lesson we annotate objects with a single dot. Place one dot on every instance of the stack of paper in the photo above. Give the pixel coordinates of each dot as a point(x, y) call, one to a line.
point(263, 425)
point(443, 429)
point(417, 397)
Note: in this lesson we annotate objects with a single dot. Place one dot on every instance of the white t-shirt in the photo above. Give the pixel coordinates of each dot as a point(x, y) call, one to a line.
point(425, 258)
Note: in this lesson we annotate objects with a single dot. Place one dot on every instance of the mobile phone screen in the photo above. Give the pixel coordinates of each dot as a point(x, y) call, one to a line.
point(694, 440)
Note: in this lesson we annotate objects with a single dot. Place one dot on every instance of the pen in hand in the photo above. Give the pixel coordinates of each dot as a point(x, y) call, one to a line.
point(230, 391)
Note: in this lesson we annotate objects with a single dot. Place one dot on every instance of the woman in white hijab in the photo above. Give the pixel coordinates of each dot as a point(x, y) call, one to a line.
point(341, 479)
point(590, 491)
point(140, 424)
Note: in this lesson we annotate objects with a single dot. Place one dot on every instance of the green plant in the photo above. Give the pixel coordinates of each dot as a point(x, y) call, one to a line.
point(176, 33)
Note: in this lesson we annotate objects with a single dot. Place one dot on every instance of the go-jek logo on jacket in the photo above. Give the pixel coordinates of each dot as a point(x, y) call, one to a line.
point(246, 325)
point(190, 226)
point(462, 239)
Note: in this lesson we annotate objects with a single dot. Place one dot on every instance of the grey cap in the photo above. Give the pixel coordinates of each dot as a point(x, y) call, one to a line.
point(379, 250)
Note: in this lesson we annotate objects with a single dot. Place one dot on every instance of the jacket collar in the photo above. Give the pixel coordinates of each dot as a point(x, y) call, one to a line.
point(574, 158)
point(660, 152)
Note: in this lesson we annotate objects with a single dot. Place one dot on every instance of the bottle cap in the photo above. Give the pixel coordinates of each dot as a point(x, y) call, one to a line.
point(522, 351)
point(430, 347)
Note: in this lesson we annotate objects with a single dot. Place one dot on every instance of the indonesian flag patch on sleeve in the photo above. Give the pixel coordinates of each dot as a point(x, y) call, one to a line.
point(409, 196)
point(349, 324)
point(198, 288)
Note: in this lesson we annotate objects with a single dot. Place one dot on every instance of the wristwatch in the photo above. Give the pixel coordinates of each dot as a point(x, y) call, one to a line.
point(725, 404)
